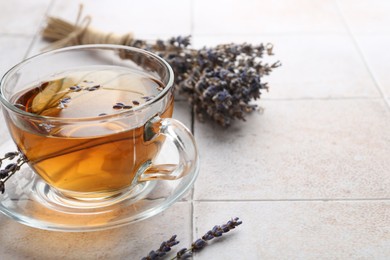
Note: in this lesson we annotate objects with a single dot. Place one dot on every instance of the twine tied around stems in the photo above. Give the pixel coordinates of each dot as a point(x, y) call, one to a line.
point(63, 33)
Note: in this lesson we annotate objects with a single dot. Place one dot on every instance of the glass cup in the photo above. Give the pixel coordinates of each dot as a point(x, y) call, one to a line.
point(91, 160)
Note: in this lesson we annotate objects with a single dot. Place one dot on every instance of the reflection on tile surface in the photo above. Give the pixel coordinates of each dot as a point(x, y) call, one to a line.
point(13, 49)
point(254, 17)
point(152, 18)
point(298, 230)
point(366, 16)
point(128, 242)
point(21, 18)
point(375, 49)
point(304, 149)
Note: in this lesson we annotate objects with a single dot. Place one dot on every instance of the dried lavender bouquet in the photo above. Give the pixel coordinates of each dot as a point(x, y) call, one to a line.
point(219, 82)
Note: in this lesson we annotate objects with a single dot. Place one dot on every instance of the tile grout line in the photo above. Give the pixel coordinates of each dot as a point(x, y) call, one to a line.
point(297, 200)
point(192, 120)
point(191, 33)
point(193, 231)
point(361, 54)
point(256, 34)
point(192, 224)
point(322, 98)
point(21, 35)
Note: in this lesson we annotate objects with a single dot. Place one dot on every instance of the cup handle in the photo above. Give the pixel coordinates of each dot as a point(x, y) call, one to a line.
point(184, 141)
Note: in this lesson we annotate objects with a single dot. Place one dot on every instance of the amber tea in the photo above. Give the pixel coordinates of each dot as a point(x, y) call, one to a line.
point(98, 157)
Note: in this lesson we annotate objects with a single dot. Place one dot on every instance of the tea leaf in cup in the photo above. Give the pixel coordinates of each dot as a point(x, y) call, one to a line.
point(51, 94)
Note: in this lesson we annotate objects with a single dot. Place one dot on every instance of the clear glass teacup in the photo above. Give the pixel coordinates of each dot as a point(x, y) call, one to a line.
point(91, 120)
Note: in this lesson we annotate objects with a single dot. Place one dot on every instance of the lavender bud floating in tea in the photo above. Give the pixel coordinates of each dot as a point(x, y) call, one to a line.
point(219, 82)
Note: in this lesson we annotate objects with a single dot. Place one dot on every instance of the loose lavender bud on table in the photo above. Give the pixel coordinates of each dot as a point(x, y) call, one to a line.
point(183, 254)
point(198, 244)
point(164, 248)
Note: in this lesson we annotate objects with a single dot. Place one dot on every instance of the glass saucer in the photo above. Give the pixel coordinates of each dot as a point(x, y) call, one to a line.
point(23, 201)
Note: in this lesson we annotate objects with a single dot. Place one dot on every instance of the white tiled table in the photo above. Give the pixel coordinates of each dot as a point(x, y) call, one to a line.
point(310, 177)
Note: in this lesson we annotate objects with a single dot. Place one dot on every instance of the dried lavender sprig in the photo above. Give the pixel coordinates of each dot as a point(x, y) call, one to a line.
point(11, 168)
point(164, 248)
point(201, 243)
